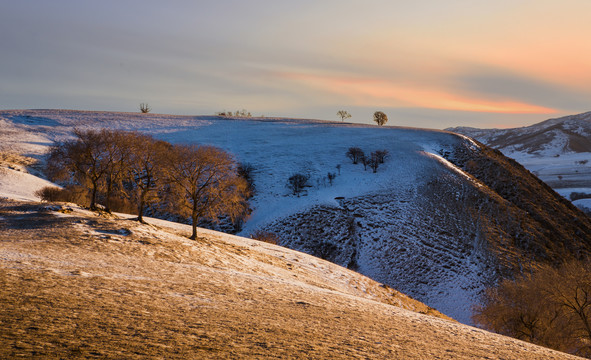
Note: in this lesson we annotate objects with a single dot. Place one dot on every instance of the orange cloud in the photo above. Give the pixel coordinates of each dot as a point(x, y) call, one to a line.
point(375, 92)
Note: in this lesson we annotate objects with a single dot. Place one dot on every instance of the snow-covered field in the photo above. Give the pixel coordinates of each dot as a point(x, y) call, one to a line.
point(276, 147)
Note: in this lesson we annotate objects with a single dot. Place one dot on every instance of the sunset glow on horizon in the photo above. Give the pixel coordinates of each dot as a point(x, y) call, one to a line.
point(378, 93)
point(430, 64)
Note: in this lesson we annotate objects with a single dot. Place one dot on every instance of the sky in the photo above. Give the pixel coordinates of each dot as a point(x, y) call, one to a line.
point(432, 64)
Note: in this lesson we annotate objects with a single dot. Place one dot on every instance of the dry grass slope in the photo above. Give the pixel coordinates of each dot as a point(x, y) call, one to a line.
point(77, 285)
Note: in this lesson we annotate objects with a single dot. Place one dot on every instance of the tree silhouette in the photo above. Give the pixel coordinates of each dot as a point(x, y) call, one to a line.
point(343, 114)
point(380, 118)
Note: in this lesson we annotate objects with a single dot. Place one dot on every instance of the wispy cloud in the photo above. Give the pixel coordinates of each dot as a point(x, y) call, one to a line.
point(451, 61)
point(376, 92)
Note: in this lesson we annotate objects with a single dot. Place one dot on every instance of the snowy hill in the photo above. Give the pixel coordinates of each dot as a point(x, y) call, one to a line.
point(442, 218)
point(558, 151)
point(75, 284)
point(569, 134)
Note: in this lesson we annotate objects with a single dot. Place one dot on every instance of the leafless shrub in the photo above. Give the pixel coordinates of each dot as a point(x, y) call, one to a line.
point(238, 113)
point(374, 161)
point(365, 161)
point(297, 182)
point(73, 194)
point(50, 193)
point(331, 177)
point(381, 155)
point(266, 236)
point(145, 108)
point(355, 154)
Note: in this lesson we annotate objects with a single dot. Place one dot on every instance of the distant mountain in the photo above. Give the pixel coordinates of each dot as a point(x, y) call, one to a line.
point(442, 218)
point(558, 151)
point(75, 284)
point(569, 134)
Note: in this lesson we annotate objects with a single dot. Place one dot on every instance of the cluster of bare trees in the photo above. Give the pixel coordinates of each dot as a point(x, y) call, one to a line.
point(550, 307)
point(238, 113)
point(373, 161)
point(194, 181)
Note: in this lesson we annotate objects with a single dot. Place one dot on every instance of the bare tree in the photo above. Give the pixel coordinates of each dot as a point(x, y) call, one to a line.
point(570, 289)
point(297, 182)
point(355, 154)
point(381, 155)
point(365, 161)
point(144, 169)
point(550, 307)
point(145, 108)
point(204, 184)
point(343, 114)
point(331, 177)
point(374, 162)
point(380, 118)
point(115, 156)
point(81, 161)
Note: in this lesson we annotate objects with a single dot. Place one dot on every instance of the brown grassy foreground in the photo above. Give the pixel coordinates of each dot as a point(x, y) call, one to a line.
point(73, 284)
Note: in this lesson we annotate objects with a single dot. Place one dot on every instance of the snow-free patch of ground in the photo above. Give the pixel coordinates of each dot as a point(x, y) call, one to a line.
point(78, 285)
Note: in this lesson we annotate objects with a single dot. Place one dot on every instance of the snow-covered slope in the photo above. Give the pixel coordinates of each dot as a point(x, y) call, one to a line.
point(548, 138)
point(442, 217)
point(556, 150)
point(75, 284)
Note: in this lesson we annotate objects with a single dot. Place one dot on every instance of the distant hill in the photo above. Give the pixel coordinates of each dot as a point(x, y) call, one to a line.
point(569, 134)
point(558, 151)
point(442, 218)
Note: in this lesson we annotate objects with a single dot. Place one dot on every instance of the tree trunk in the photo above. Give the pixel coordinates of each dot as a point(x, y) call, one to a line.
point(93, 196)
point(108, 196)
point(194, 234)
point(194, 221)
point(140, 210)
